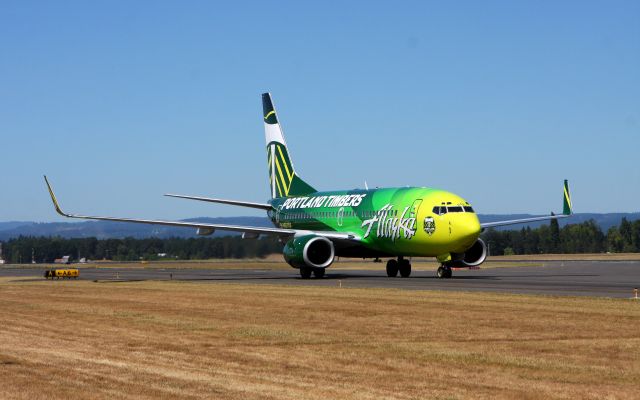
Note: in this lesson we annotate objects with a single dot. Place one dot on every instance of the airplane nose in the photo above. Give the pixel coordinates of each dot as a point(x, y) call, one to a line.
point(470, 229)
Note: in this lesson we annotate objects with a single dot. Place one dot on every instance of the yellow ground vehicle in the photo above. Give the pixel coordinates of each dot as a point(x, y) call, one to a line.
point(62, 273)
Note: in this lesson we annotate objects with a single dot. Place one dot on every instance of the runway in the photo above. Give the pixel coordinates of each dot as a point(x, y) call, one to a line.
point(574, 278)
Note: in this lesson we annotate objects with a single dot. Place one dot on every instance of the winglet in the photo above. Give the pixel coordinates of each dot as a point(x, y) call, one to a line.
point(53, 198)
point(567, 207)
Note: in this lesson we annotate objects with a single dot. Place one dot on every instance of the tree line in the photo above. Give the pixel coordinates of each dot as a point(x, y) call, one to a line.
point(586, 237)
point(47, 249)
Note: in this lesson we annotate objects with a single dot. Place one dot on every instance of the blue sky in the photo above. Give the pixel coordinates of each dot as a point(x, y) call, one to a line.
point(497, 101)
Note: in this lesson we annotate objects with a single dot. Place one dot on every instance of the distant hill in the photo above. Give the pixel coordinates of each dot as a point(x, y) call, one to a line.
point(605, 221)
point(106, 230)
point(12, 224)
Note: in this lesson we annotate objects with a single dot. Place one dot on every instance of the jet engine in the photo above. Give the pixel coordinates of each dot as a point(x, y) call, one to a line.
point(474, 256)
point(309, 251)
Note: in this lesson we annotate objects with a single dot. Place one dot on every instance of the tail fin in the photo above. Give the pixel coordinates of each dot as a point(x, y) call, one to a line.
point(282, 176)
point(567, 207)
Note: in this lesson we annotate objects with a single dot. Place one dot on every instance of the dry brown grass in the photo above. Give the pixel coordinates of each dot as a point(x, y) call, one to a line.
point(81, 339)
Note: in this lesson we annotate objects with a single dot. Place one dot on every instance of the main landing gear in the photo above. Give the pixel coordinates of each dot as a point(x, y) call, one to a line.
point(444, 271)
point(402, 266)
point(305, 272)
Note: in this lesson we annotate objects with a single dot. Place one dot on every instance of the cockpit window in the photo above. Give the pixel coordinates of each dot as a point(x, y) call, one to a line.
point(439, 210)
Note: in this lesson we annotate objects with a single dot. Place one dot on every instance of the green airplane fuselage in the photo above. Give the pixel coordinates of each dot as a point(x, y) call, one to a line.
point(411, 221)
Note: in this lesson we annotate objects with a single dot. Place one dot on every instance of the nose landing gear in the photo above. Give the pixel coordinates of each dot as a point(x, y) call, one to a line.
point(444, 272)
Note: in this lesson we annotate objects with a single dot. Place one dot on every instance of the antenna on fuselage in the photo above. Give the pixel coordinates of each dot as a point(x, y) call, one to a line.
point(365, 185)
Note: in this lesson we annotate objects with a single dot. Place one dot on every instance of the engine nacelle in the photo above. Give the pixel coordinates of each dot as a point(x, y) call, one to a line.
point(205, 231)
point(474, 256)
point(309, 251)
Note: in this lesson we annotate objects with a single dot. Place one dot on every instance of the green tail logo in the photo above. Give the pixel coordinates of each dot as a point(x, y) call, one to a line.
point(268, 111)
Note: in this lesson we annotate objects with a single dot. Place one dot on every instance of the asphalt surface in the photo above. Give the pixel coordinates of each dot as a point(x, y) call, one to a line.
point(575, 278)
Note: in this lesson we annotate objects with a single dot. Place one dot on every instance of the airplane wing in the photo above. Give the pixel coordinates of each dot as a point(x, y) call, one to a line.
point(521, 221)
point(207, 229)
point(261, 206)
point(567, 211)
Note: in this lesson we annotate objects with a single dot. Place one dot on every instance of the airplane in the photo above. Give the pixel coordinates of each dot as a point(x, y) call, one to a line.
point(318, 226)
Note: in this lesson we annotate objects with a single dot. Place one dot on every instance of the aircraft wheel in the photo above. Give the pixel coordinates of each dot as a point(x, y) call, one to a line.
point(444, 272)
point(305, 273)
point(318, 272)
point(392, 268)
point(404, 266)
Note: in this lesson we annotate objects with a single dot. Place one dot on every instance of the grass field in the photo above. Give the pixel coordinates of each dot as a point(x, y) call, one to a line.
point(69, 340)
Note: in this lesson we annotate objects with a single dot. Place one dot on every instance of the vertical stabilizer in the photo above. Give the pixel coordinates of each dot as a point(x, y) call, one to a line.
point(282, 176)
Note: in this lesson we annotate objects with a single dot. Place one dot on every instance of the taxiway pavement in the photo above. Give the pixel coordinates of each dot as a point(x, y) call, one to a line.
point(575, 278)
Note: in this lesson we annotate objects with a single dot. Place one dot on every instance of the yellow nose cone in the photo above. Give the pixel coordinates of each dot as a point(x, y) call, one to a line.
point(465, 230)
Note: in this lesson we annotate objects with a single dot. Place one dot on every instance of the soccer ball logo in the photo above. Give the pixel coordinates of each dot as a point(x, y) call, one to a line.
point(429, 225)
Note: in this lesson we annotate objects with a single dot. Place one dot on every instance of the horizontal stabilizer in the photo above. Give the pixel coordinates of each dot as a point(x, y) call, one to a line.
point(261, 206)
